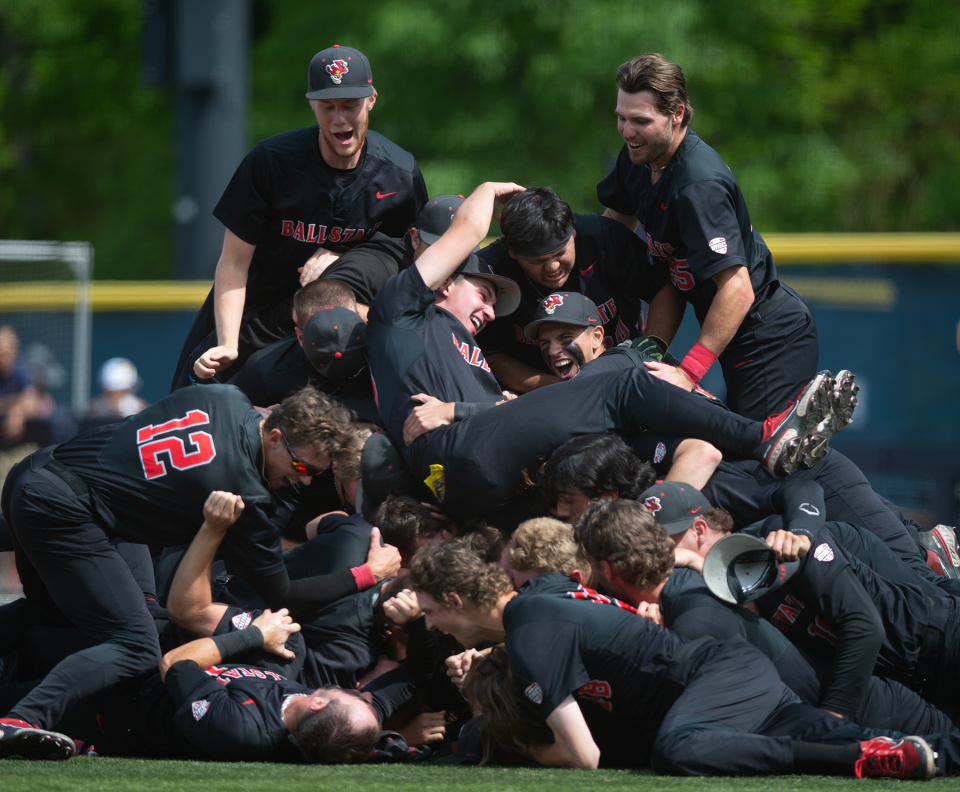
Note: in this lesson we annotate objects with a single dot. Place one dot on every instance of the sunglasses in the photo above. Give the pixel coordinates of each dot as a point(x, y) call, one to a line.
point(302, 468)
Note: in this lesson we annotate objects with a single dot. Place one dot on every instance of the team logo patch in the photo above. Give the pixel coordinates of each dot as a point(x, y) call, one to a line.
point(660, 453)
point(552, 302)
point(242, 620)
point(200, 708)
point(717, 244)
point(823, 553)
point(653, 502)
point(534, 693)
point(336, 70)
point(809, 508)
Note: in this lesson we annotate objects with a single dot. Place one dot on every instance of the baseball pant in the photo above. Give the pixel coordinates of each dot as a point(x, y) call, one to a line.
point(772, 357)
point(483, 456)
point(69, 568)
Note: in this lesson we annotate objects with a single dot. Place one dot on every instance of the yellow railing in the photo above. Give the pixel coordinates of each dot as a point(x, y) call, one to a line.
point(793, 249)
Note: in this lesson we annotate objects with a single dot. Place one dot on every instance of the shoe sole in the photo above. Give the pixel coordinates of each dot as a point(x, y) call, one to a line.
point(844, 400)
point(932, 542)
point(38, 744)
point(802, 448)
point(949, 542)
point(927, 756)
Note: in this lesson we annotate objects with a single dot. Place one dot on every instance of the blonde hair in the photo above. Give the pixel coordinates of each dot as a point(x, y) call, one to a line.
point(545, 545)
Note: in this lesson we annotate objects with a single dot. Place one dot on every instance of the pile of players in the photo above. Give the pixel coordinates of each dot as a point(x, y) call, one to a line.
point(411, 499)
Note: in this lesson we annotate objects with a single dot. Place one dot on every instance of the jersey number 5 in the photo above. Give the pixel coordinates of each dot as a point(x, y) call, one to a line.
point(174, 447)
point(680, 275)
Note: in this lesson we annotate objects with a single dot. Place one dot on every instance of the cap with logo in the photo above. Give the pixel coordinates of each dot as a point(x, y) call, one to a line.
point(339, 73)
point(675, 505)
point(741, 568)
point(382, 473)
point(566, 308)
point(435, 216)
point(335, 341)
point(508, 293)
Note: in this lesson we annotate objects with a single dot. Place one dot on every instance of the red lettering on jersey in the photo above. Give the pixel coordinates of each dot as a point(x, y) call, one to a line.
point(787, 613)
point(622, 333)
point(310, 233)
point(611, 307)
point(463, 349)
point(287, 228)
point(298, 234)
point(348, 234)
point(233, 673)
point(604, 315)
point(680, 276)
point(192, 418)
point(275, 676)
point(335, 234)
point(375, 227)
point(176, 450)
point(820, 629)
point(475, 357)
point(598, 692)
point(359, 235)
point(321, 234)
point(521, 338)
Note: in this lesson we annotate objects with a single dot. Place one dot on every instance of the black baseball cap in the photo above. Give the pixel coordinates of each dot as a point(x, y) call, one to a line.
point(741, 568)
point(565, 308)
point(435, 216)
point(675, 505)
point(339, 73)
point(382, 473)
point(508, 293)
point(335, 342)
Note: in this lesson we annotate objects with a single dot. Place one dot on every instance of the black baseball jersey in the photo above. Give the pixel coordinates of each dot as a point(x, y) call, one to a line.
point(150, 475)
point(285, 201)
point(694, 219)
point(611, 269)
point(563, 639)
point(415, 347)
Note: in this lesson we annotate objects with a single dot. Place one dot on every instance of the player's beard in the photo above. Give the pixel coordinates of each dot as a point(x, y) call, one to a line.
point(359, 137)
point(653, 148)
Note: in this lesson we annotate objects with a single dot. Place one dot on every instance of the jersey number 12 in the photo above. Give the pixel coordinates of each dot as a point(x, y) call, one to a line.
point(174, 447)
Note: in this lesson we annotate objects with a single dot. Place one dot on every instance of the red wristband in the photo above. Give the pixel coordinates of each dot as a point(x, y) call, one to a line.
point(697, 362)
point(364, 577)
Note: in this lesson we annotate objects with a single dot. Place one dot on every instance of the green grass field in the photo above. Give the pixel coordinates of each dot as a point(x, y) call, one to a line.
point(99, 775)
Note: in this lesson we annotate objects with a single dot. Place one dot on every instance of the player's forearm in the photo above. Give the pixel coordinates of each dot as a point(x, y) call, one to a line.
point(727, 311)
point(630, 221)
point(190, 596)
point(515, 375)
point(206, 652)
point(665, 314)
point(230, 287)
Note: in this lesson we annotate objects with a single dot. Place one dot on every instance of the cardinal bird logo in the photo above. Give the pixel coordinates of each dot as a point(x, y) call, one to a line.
point(652, 503)
point(552, 302)
point(336, 70)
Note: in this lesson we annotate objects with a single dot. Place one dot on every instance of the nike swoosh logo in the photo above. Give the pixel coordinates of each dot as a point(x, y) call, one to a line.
point(744, 363)
point(663, 206)
point(384, 194)
point(694, 511)
point(585, 271)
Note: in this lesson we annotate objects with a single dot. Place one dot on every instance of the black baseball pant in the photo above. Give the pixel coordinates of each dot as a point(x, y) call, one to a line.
point(772, 356)
point(70, 569)
point(483, 456)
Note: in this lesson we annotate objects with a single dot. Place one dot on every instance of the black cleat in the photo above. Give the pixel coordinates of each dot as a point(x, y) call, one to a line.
point(33, 743)
point(797, 438)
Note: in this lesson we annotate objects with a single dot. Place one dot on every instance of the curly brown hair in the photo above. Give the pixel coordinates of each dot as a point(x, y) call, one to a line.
point(441, 569)
point(511, 720)
point(308, 419)
point(546, 545)
point(624, 534)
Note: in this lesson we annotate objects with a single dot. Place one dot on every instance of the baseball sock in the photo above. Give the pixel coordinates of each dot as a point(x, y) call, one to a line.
point(817, 759)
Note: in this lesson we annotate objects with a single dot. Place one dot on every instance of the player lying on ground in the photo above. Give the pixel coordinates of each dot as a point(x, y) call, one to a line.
point(700, 708)
point(633, 559)
point(421, 341)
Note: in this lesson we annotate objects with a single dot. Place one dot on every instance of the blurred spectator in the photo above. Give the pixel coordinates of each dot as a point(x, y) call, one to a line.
point(119, 384)
point(18, 393)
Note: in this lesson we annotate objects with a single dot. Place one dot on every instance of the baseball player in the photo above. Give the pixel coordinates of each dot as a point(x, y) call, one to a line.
point(632, 558)
point(545, 249)
point(332, 185)
point(702, 707)
point(421, 340)
point(145, 480)
point(695, 221)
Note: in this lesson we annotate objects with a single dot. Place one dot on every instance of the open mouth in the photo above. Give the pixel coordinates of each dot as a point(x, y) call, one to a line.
point(344, 138)
point(564, 369)
point(476, 324)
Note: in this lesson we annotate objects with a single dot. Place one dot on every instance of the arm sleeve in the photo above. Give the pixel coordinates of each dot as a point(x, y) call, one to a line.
point(802, 506)
point(464, 410)
point(306, 594)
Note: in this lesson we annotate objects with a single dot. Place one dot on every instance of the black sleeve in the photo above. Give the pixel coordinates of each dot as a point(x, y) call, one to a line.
point(245, 205)
point(395, 688)
point(708, 623)
point(802, 506)
point(637, 278)
point(612, 191)
point(497, 336)
point(710, 229)
point(306, 594)
point(859, 631)
point(252, 545)
point(363, 269)
point(464, 410)
point(656, 449)
point(545, 656)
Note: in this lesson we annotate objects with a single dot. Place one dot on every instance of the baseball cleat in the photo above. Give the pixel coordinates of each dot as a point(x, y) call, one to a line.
point(843, 397)
point(942, 542)
point(797, 438)
point(909, 759)
point(18, 738)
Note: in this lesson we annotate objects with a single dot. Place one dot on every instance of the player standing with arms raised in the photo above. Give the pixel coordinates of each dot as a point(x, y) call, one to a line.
point(696, 222)
point(332, 185)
